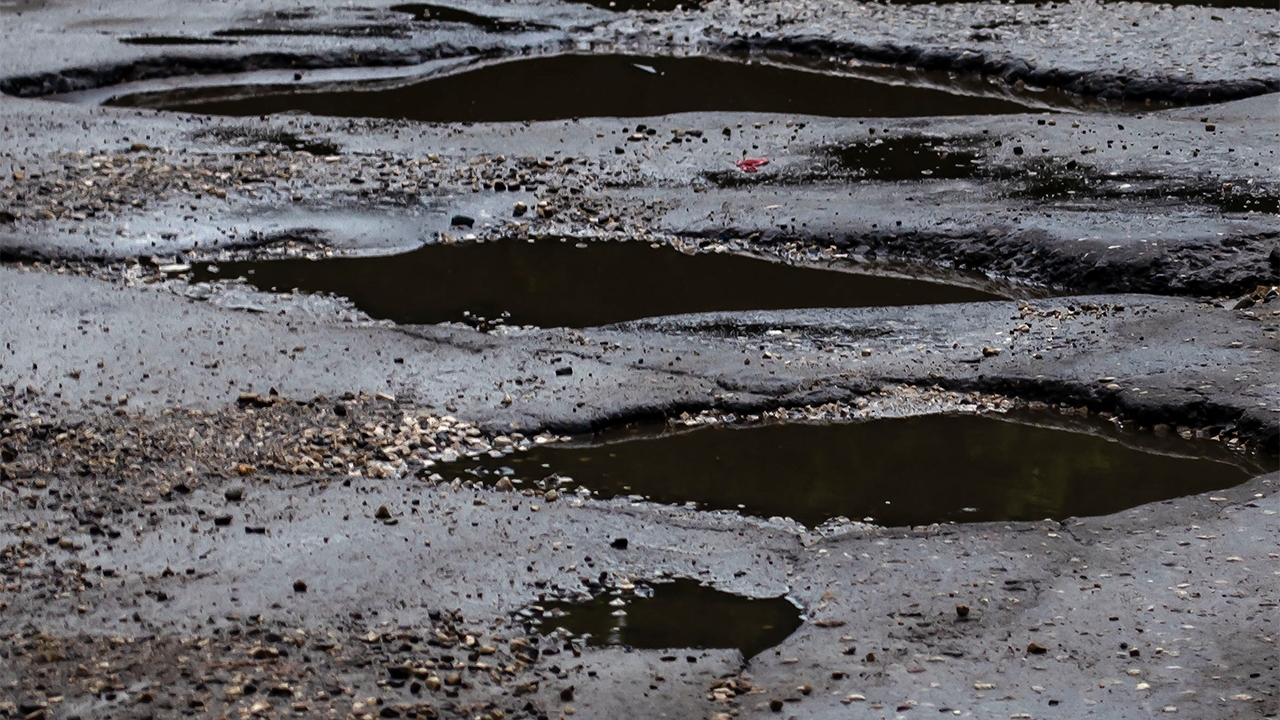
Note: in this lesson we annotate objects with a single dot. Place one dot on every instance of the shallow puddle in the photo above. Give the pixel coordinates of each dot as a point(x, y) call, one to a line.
point(643, 5)
point(173, 40)
point(1070, 181)
point(569, 86)
point(347, 31)
point(423, 12)
point(904, 471)
point(920, 158)
point(884, 159)
point(559, 284)
point(906, 158)
point(679, 614)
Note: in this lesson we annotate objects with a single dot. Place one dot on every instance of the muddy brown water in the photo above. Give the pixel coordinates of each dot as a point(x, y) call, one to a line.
point(559, 284)
point(902, 471)
point(569, 86)
point(679, 614)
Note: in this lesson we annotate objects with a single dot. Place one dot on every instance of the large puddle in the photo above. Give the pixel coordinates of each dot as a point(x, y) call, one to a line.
point(423, 12)
point(1059, 181)
point(903, 471)
point(569, 86)
point(563, 284)
point(679, 614)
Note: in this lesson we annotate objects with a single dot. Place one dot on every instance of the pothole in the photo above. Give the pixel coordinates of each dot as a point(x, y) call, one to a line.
point(672, 615)
point(894, 159)
point(604, 86)
point(643, 5)
point(424, 12)
point(1072, 181)
point(898, 159)
point(344, 31)
point(564, 284)
point(895, 472)
point(907, 158)
point(173, 40)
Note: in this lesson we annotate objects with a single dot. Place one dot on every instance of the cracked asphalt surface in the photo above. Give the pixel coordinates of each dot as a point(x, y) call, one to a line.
point(218, 501)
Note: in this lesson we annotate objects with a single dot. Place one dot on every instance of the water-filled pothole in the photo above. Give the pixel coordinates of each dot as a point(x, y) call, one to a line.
point(173, 40)
point(886, 159)
point(1070, 181)
point(908, 158)
point(679, 614)
point(562, 284)
point(604, 86)
point(424, 12)
point(643, 5)
point(902, 471)
point(345, 31)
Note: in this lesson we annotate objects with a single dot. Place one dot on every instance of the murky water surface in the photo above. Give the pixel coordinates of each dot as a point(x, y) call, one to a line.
point(173, 40)
point(424, 12)
point(1056, 180)
point(558, 284)
point(679, 614)
point(906, 158)
point(569, 86)
point(905, 471)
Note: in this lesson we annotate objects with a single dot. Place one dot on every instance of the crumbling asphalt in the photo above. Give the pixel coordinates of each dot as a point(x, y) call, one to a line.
point(177, 457)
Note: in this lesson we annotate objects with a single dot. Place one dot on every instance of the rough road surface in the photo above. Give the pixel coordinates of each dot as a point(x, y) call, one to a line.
point(221, 502)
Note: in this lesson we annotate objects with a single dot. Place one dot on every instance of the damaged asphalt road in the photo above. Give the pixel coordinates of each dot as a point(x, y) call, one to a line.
point(1117, 215)
point(149, 347)
point(221, 502)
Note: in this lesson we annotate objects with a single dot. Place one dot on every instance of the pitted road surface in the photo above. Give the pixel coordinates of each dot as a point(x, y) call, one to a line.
point(221, 502)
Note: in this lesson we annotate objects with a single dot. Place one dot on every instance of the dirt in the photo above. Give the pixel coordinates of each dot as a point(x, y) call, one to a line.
point(225, 501)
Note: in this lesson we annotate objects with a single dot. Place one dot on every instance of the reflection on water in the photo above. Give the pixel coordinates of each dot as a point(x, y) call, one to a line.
point(905, 471)
point(606, 86)
point(555, 284)
point(679, 614)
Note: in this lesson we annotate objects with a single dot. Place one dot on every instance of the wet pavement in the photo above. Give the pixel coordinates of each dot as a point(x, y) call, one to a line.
point(221, 500)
